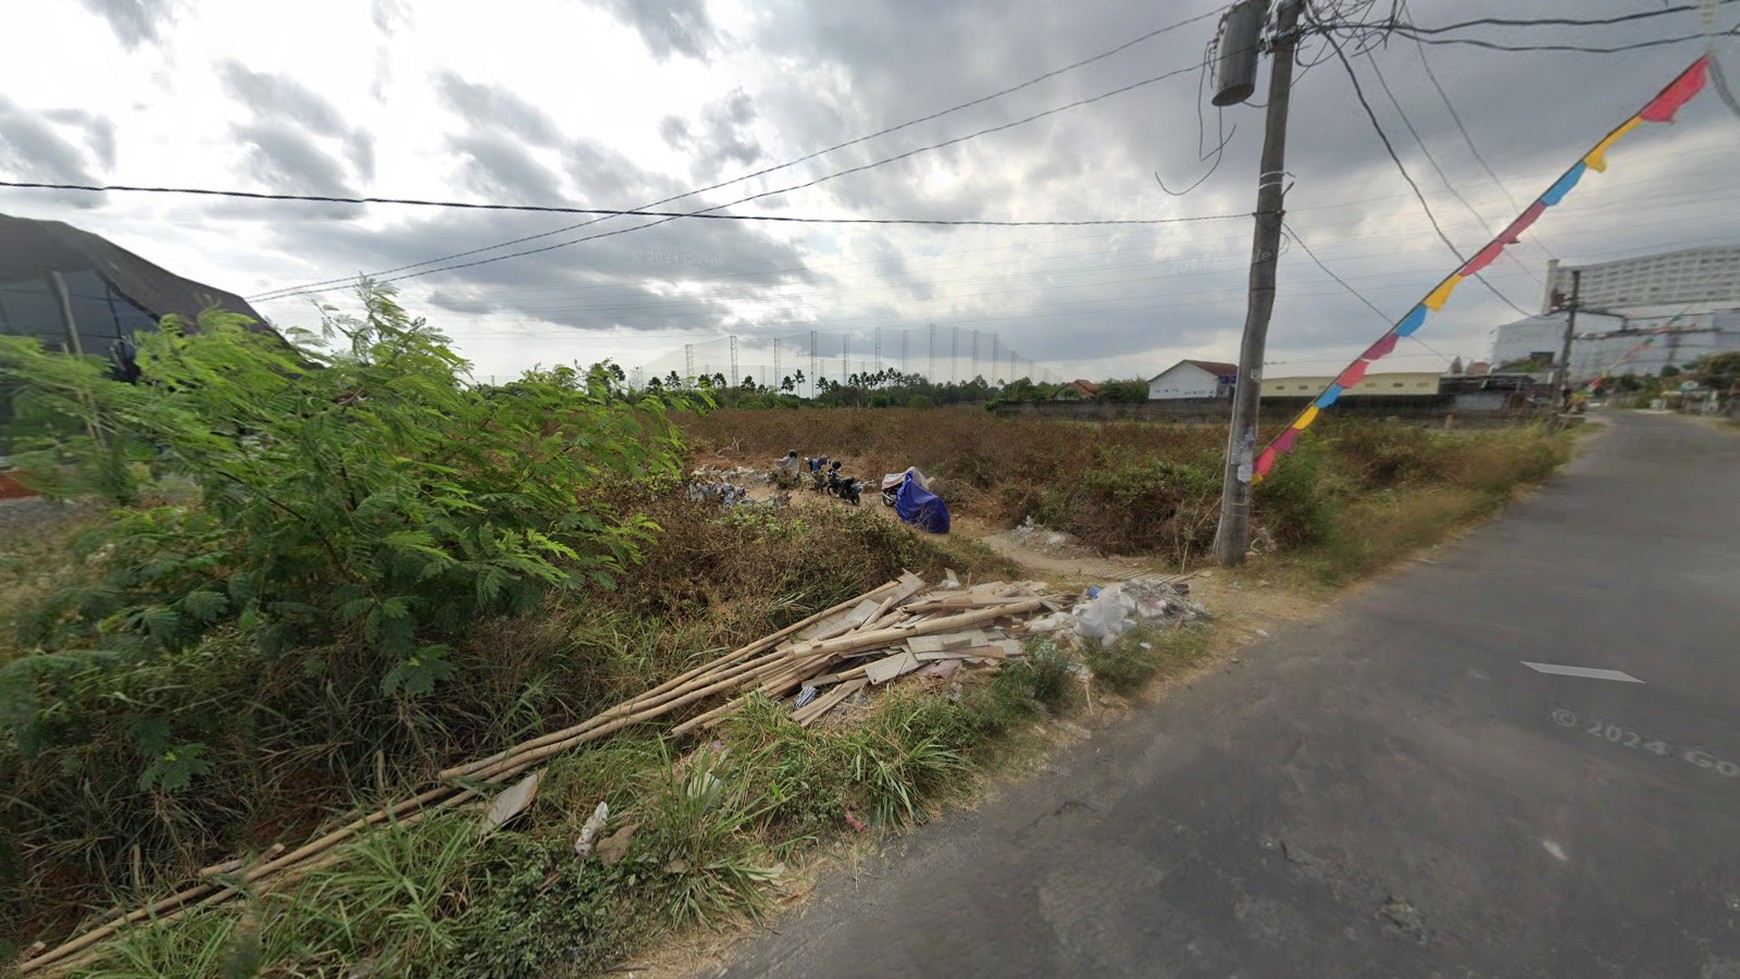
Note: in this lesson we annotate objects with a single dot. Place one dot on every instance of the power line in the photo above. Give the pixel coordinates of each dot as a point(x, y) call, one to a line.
point(1468, 139)
point(281, 294)
point(1404, 31)
point(670, 215)
point(1389, 148)
point(1439, 170)
point(1557, 21)
point(811, 156)
point(1387, 318)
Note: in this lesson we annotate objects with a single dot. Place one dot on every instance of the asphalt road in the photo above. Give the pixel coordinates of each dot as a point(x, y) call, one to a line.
point(1389, 792)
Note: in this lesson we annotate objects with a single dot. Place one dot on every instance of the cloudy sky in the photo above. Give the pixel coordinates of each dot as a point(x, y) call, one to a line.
point(619, 103)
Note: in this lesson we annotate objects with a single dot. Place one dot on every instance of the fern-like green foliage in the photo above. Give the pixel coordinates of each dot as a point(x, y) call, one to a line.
point(357, 490)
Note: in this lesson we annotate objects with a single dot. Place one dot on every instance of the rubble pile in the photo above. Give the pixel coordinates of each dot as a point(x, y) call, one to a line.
point(1057, 543)
point(904, 627)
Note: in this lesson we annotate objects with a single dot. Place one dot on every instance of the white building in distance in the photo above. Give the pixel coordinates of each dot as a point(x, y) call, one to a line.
point(1697, 290)
point(1193, 379)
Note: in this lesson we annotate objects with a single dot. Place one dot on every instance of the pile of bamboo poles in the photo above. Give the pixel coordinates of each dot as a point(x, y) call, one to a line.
point(893, 629)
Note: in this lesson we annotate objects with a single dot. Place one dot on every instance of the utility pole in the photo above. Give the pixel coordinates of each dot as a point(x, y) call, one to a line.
point(1232, 538)
point(1562, 376)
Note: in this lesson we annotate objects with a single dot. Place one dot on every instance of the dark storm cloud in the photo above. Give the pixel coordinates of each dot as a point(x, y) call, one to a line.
point(489, 106)
point(360, 147)
point(607, 178)
point(615, 283)
point(99, 131)
point(133, 21)
point(725, 137)
point(32, 149)
point(282, 157)
point(667, 26)
point(281, 99)
point(674, 131)
point(501, 170)
point(856, 67)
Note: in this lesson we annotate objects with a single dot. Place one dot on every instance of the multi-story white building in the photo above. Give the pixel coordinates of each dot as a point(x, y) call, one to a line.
point(1697, 290)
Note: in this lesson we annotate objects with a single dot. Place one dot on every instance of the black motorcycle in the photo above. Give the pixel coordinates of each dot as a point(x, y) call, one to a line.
point(850, 490)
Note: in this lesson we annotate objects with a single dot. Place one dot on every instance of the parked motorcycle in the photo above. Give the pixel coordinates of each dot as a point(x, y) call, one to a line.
point(850, 490)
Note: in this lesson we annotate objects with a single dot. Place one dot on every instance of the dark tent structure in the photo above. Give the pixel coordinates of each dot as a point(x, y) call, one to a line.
point(81, 293)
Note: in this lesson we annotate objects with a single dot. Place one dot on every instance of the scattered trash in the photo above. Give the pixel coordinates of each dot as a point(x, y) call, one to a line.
point(1109, 612)
point(1264, 633)
point(854, 821)
point(804, 697)
point(589, 832)
point(510, 803)
point(1146, 645)
point(614, 847)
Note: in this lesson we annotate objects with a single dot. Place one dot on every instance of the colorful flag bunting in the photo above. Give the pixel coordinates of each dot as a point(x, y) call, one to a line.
point(1265, 462)
point(1413, 321)
point(1661, 108)
point(1385, 345)
point(1597, 157)
point(1557, 192)
point(1441, 295)
point(1690, 83)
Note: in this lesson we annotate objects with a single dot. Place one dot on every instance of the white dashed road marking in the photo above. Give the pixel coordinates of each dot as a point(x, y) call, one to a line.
point(1582, 671)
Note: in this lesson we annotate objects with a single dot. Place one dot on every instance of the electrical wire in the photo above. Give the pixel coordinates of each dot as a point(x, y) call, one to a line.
point(1468, 139)
point(1563, 21)
point(1433, 162)
point(799, 160)
point(1359, 92)
point(1568, 48)
point(611, 212)
point(299, 291)
point(1219, 151)
point(1355, 293)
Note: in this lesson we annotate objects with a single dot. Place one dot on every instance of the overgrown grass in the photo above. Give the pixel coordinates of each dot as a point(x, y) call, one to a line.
point(305, 737)
point(1142, 487)
point(712, 835)
point(1143, 653)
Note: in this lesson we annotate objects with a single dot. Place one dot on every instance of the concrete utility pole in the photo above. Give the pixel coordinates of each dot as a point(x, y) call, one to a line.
point(1232, 538)
point(1562, 376)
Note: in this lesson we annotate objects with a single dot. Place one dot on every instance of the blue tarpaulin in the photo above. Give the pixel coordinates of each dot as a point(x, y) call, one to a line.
point(920, 507)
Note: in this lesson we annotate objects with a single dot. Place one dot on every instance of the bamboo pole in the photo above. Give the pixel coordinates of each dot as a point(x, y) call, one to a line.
point(663, 689)
point(782, 666)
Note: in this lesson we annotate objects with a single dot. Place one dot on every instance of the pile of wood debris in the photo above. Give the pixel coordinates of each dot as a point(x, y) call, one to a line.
point(905, 625)
point(898, 628)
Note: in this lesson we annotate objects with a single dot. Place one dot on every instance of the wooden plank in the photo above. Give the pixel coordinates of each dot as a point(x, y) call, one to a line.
point(925, 644)
point(971, 652)
point(883, 670)
point(961, 640)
